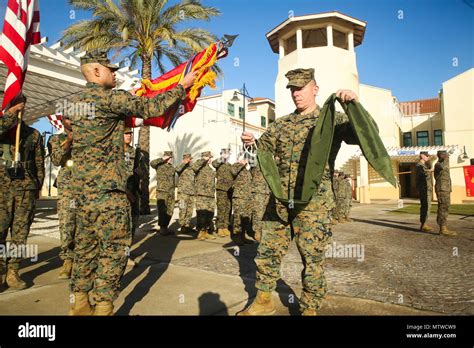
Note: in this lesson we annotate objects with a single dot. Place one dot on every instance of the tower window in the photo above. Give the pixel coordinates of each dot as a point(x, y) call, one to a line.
point(315, 38)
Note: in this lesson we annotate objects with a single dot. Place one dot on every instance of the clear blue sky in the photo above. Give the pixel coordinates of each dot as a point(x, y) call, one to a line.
point(410, 56)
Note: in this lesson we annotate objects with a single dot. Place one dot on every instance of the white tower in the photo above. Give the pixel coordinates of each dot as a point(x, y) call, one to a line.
point(323, 41)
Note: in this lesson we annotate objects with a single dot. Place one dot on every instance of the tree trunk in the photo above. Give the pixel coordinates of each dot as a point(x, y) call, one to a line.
point(144, 141)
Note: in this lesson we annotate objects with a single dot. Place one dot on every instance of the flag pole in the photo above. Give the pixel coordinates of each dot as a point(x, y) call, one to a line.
point(17, 138)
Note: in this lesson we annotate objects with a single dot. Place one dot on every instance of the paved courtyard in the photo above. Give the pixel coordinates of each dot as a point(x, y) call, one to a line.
point(379, 264)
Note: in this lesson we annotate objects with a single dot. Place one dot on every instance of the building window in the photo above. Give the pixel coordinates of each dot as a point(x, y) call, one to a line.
point(290, 45)
point(314, 38)
point(407, 140)
point(230, 109)
point(438, 137)
point(263, 121)
point(422, 138)
point(241, 112)
point(340, 39)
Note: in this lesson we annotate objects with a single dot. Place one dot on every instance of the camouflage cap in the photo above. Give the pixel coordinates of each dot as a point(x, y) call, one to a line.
point(442, 152)
point(424, 153)
point(206, 154)
point(299, 77)
point(168, 154)
point(128, 130)
point(98, 56)
point(187, 155)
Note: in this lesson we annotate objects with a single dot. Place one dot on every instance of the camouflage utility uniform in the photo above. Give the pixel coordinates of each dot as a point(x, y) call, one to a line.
point(443, 192)
point(287, 138)
point(165, 186)
point(424, 185)
point(18, 196)
point(205, 193)
point(99, 176)
point(224, 184)
point(261, 195)
point(61, 157)
point(186, 194)
point(242, 198)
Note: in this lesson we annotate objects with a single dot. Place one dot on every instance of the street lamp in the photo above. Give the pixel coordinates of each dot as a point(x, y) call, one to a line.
point(243, 92)
point(464, 155)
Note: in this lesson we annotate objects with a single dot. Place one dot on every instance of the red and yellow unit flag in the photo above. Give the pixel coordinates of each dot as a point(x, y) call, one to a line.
point(469, 179)
point(201, 62)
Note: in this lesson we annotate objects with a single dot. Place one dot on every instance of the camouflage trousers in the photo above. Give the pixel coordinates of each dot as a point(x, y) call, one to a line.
point(340, 208)
point(259, 204)
point(224, 208)
point(186, 206)
point(135, 211)
point(312, 233)
point(102, 243)
point(67, 225)
point(425, 205)
point(204, 212)
point(347, 207)
point(165, 203)
point(444, 201)
point(17, 210)
point(242, 215)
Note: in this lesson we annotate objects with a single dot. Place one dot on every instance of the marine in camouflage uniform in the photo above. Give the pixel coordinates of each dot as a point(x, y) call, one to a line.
point(165, 187)
point(99, 178)
point(18, 196)
point(443, 192)
point(348, 201)
point(205, 178)
point(186, 193)
point(310, 226)
point(242, 200)
point(134, 164)
point(59, 149)
point(261, 195)
point(224, 186)
point(424, 185)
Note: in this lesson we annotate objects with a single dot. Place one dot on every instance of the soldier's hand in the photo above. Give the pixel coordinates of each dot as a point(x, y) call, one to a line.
point(346, 95)
point(15, 108)
point(189, 79)
point(247, 138)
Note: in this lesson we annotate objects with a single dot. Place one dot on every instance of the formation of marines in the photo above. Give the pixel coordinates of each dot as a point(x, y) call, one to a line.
point(209, 185)
point(99, 190)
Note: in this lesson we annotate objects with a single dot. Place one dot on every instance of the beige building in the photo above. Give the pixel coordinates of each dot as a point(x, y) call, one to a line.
point(326, 42)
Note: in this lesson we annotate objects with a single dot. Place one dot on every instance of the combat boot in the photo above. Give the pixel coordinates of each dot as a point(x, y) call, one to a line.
point(348, 219)
point(65, 272)
point(227, 232)
point(309, 312)
point(444, 230)
point(221, 233)
point(210, 235)
point(164, 230)
point(104, 308)
point(261, 305)
point(202, 235)
point(14, 281)
point(425, 228)
point(81, 304)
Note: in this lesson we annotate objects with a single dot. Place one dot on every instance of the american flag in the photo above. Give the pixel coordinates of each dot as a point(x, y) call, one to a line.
point(20, 30)
point(56, 121)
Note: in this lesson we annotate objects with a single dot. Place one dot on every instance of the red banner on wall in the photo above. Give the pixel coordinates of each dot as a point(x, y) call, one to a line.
point(469, 178)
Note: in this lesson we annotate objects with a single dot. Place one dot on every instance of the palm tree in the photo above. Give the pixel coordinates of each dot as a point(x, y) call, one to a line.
point(141, 31)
